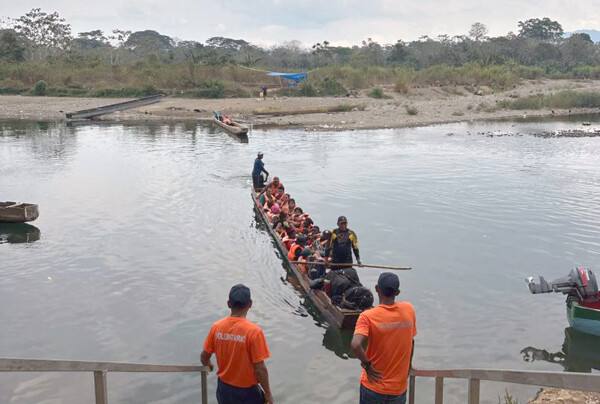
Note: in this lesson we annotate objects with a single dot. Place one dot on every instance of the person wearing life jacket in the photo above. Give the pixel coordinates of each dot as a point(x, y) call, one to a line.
point(297, 247)
point(289, 206)
point(342, 243)
point(273, 186)
point(305, 256)
point(273, 215)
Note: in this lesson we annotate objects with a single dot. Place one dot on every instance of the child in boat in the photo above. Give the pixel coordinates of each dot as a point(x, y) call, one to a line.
point(273, 215)
point(305, 256)
point(289, 206)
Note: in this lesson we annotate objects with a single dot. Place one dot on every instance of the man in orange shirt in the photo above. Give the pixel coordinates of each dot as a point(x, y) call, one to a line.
point(241, 350)
point(390, 329)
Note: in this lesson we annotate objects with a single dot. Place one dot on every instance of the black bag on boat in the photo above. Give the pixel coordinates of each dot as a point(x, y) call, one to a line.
point(357, 297)
point(340, 282)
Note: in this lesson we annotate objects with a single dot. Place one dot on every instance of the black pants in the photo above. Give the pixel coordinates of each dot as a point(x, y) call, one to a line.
point(228, 394)
point(258, 181)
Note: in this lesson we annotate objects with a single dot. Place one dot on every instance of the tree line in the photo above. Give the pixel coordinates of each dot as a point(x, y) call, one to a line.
point(46, 38)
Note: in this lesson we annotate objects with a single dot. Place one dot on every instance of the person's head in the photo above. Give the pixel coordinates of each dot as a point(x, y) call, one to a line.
point(388, 286)
point(276, 182)
point(286, 197)
point(301, 239)
point(326, 235)
point(275, 209)
point(306, 252)
point(239, 299)
point(298, 210)
point(308, 222)
point(292, 204)
point(260, 155)
point(342, 223)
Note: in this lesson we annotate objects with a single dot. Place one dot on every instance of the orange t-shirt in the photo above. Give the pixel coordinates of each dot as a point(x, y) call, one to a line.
point(238, 345)
point(390, 329)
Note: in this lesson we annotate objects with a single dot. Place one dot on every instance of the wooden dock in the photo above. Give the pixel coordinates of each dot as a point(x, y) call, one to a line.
point(109, 109)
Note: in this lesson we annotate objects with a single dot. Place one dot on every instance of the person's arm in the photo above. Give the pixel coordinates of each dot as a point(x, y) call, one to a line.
point(355, 248)
point(262, 374)
point(205, 360)
point(329, 246)
point(373, 374)
point(412, 352)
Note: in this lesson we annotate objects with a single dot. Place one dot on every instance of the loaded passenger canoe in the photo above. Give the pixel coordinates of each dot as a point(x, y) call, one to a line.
point(236, 128)
point(341, 318)
point(13, 212)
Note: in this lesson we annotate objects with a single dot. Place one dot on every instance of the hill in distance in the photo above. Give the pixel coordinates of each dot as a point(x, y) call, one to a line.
point(594, 34)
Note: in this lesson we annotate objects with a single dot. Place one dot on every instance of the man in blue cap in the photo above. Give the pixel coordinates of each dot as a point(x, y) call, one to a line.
point(259, 167)
point(390, 329)
point(241, 350)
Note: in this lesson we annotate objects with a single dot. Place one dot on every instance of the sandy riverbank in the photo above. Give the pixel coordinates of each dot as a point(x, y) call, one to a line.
point(434, 105)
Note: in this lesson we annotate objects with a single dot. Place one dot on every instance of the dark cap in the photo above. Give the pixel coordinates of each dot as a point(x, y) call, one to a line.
point(239, 294)
point(342, 219)
point(307, 252)
point(388, 284)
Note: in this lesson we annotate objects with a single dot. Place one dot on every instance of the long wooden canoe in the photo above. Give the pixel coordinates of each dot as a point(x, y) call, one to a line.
point(341, 318)
point(236, 128)
point(13, 212)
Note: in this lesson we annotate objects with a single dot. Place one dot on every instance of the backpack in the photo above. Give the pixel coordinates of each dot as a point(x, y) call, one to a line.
point(357, 297)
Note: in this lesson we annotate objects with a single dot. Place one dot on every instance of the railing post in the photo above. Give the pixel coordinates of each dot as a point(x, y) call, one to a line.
point(473, 391)
point(204, 388)
point(411, 389)
point(100, 387)
point(439, 390)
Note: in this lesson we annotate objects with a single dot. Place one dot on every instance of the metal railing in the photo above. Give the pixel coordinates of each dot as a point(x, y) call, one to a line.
point(573, 381)
point(100, 369)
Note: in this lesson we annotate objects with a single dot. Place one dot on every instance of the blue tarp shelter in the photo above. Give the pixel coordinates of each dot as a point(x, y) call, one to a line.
point(296, 77)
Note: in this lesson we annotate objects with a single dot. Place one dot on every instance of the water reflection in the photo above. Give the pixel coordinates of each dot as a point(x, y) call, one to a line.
point(338, 342)
point(579, 352)
point(15, 233)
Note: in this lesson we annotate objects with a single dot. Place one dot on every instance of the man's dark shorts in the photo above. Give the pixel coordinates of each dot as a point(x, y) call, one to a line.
point(368, 396)
point(228, 394)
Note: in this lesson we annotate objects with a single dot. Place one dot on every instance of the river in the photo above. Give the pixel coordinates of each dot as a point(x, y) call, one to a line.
point(144, 228)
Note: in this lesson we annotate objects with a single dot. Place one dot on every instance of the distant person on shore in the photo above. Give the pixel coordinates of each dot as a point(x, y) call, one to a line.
point(264, 92)
point(342, 243)
point(390, 329)
point(259, 167)
point(241, 350)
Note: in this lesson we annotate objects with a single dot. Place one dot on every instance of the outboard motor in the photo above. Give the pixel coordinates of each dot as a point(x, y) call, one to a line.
point(580, 285)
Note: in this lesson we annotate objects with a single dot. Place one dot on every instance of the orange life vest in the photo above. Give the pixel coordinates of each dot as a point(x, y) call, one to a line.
point(292, 252)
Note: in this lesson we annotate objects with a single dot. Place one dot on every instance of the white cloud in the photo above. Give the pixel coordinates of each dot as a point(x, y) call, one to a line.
point(342, 22)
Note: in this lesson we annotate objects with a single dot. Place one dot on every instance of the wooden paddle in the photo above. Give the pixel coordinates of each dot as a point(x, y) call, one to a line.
point(345, 265)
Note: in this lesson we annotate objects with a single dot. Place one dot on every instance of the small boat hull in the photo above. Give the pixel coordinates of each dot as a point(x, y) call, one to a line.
point(235, 129)
point(584, 319)
point(13, 212)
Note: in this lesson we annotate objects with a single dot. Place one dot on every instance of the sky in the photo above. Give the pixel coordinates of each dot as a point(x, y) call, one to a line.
point(341, 22)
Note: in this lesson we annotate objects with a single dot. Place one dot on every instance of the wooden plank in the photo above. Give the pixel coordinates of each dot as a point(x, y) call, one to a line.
point(121, 106)
point(473, 391)
point(439, 390)
point(42, 365)
point(100, 387)
point(571, 380)
point(204, 388)
point(411, 389)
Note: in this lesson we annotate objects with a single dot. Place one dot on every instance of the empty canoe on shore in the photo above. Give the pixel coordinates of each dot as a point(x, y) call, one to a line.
point(236, 128)
point(13, 212)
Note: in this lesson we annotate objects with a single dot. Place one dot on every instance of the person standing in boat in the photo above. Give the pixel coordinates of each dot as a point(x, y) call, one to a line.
point(390, 329)
point(241, 350)
point(259, 167)
point(342, 243)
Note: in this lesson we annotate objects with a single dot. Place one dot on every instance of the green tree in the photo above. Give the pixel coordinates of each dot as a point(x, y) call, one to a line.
point(544, 29)
point(49, 33)
point(478, 32)
point(12, 46)
point(146, 43)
